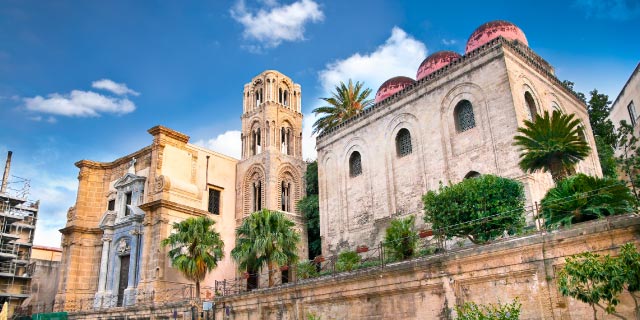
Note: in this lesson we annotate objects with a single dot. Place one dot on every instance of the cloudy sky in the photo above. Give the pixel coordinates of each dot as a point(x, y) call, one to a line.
point(86, 79)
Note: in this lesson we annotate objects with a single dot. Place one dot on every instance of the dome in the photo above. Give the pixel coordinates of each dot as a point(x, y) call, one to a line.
point(392, 86)
point(492, 30)
point(436, 61)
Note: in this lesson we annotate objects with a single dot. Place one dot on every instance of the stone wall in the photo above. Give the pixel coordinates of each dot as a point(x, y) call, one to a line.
point(429, 287)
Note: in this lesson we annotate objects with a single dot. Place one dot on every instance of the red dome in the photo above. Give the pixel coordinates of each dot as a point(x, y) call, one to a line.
point(392, 86)
point(434, 62)
point(492, 30)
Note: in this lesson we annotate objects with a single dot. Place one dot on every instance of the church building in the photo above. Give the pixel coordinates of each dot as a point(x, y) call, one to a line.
point(124, 208)
point(456, 120)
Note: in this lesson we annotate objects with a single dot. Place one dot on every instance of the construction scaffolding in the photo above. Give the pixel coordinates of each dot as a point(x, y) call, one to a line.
point(18, 218)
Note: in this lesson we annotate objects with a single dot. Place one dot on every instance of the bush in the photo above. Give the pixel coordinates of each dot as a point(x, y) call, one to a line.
point(473, 311)
point(400, 239)
point(347, 261)
point(479, 208)
point(306, 270)
point(582, 198)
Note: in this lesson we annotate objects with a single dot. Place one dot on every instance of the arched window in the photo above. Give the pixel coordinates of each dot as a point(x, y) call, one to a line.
point(285, 196)
point(257, 196)
point(403, 142)
point(256, 144)
point(472, 174)
point(464, 117)
point(355, 164)
point(285, 99)
point(531, 105)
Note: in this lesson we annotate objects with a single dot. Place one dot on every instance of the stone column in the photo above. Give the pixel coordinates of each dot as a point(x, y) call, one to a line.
point(130, 291)
point(104, 263)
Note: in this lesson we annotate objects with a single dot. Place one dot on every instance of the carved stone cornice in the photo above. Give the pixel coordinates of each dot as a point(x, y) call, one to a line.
point(153, 205)
point(71, 229)
point(110, 165)
point(170, 133)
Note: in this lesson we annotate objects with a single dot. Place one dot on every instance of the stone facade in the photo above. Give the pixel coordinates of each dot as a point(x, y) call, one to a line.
point(46, 270)
point(499, 84)
point(111, 242)
point(428, 288)
point(627, 104)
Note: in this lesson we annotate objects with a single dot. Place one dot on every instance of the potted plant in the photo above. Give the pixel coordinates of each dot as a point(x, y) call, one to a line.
point(361, 249)
point(318, 259)
point(246, 275)
point(426, 233)
point(284, 268)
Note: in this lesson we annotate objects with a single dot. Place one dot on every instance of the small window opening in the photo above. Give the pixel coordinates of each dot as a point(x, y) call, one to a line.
point(403, 143)
point(214, 201)
point(464, 116)
point(355, 164)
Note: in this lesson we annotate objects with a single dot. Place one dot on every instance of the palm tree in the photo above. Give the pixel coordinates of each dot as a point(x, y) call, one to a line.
point(347, 101)
point(553, 143)
point(265, 238)
point(196, 248)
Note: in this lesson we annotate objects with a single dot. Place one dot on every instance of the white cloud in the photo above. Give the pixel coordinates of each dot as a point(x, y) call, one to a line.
point(400, 55)
point(114, 87)
point(279, 22)
point(620, 10)
point(79, 104)
point(449, 42)
point(227, 143)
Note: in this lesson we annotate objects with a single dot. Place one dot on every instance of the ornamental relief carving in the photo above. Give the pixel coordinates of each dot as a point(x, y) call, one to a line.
point(71, 214)
point(123, 247)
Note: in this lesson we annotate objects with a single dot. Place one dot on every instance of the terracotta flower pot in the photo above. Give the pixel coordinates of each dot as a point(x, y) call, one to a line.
point(318, 259)
point(284, 268)
point(246, 275)
point(426, 233)
point(362, 249)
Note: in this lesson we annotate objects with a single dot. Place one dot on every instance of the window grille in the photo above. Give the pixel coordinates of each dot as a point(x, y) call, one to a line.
point(355, 164)
point(403, 143)
point(464, 116)
point(214, 201)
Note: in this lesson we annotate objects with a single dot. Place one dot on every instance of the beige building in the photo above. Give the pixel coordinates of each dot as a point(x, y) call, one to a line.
point(45, 263)
point(124, 208)
point(627, 104)
point(457, 120)
point(18, 218)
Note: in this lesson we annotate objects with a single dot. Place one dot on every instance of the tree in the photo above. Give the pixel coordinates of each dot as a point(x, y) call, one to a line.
point(629, 158)
point(480, 209)
point(581, 198)
point(606, 155)
point(569, 85)
point(599, 280)
point(265, 238)
point(552, 143)
point(310, 208)
point(196, 248)
point(401, 239)
point(473, 311)
point(347, 101)
point(599, 108)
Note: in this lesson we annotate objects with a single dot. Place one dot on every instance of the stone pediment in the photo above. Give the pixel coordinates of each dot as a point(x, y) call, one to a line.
point(128, 179)
point(107, 220)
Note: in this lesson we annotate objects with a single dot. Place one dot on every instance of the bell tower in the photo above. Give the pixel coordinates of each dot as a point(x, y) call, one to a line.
point(271, 172)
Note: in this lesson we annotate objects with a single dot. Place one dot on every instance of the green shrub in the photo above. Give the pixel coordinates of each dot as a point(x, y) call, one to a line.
point(401, 239)
point(347, 261)
point(369, 264)
point(582, 198)
point(480, 209)
point(306, 270)
point(473, 311)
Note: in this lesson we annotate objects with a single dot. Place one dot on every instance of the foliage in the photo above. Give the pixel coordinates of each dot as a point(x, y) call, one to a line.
point(347, 101)
point(582, 198)
point(569, 86)
point(265, 238)
point(553, 143)
point(312, 316)
point(310, 208)
point(629, 158)
point(347, 261)
point(599, 108)
point(401, 239)
point(479, 209)
point(473, 311)
point(599, 280)
point(606, 155)
point(306, 269)
point(196, 248)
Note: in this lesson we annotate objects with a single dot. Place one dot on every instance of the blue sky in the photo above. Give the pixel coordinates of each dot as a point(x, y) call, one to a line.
point(86, 79)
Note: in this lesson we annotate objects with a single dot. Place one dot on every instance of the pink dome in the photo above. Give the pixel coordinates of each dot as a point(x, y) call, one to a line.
point(434, 62)
point(392, 86)
point(492, 30)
